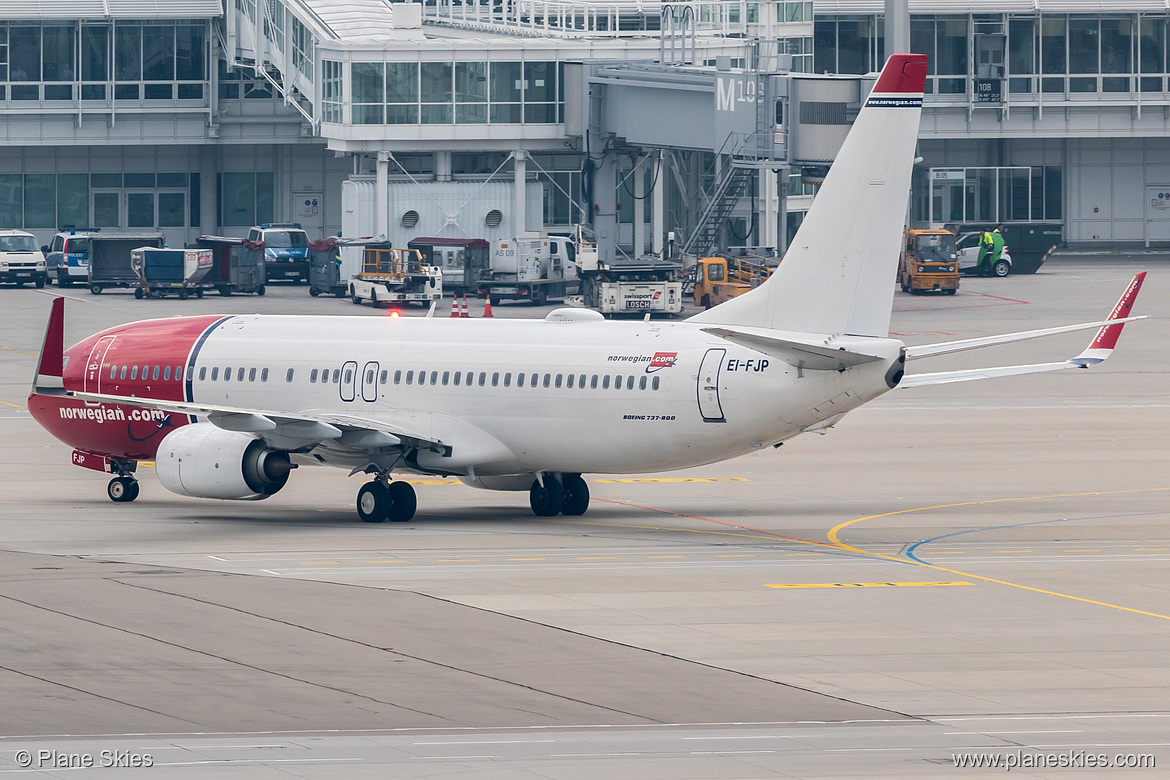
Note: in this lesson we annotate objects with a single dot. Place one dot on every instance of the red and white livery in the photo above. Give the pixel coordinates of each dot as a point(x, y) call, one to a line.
point(227, 407)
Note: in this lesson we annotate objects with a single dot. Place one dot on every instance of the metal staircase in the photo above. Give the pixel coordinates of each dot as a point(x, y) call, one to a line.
point(704, 237)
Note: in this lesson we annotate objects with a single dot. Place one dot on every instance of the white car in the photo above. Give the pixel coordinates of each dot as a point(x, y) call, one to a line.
point(968, 249)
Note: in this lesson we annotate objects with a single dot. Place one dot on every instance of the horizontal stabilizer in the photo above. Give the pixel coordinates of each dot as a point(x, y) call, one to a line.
point(815, 357)
point(1100, 348)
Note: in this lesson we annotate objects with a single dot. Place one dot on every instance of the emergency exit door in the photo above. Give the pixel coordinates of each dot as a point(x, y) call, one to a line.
point(708, 385)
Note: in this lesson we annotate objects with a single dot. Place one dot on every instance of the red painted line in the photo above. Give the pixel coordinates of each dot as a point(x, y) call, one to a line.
point(776, 534)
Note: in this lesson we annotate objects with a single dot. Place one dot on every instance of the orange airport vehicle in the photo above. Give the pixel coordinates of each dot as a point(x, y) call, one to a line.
point(929, 262)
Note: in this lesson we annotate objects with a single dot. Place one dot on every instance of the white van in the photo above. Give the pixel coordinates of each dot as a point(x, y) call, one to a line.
point(20, 259)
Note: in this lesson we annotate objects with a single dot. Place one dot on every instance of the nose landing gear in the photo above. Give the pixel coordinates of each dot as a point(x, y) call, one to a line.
point(122, 489)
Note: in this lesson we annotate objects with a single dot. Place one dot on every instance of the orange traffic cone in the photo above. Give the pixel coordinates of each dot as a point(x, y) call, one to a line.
point(464, 312)
point(487, 307)
point(454, 307)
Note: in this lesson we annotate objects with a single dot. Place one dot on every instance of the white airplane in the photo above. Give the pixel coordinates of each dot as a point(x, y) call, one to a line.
point(228, 406)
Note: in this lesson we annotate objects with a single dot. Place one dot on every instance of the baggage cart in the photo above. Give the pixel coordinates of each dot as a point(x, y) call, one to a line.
point(163, 271)
point(325, 268)
point(238, 265)
point(109, 258)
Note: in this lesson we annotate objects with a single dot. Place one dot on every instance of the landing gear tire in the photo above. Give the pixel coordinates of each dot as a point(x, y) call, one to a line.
point(547, 499)
point(403, 502)
point(576, 499)
point(373, 502)
point(122, 489)
point(1001, 269)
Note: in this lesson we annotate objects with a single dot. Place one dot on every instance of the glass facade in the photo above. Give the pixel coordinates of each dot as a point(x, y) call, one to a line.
point(1046, 56)
point(444, 93)
point(990, 195)
point(78, 61)
point(109, 200)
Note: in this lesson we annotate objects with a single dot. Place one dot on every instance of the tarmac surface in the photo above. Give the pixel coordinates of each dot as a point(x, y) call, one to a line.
point(976, 570)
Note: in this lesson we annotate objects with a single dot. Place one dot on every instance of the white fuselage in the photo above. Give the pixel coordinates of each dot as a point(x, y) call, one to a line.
point(686, 397)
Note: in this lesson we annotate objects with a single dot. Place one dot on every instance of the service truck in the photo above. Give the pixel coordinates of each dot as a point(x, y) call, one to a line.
point(532, 268)
point(391, 275)
point(928, 262)
point(644, 286)
point(719, 279)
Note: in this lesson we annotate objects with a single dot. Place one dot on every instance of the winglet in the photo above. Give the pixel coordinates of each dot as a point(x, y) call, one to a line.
point(51, 366)
point(1106, 339)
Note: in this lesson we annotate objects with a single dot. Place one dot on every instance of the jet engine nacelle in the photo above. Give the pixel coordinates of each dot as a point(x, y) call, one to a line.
point(204, 461)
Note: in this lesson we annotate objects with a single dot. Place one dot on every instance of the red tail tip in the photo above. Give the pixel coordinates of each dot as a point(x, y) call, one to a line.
point(903, 74)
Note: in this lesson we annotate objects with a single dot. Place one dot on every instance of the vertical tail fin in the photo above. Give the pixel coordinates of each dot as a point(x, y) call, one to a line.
point(838, 275)
point(51, 365)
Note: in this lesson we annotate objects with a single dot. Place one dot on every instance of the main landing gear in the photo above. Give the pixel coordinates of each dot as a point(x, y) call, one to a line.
point(559, 494)
point(379, 501)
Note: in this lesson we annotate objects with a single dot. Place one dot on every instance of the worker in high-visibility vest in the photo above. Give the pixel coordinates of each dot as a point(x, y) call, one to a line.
point(990, 249)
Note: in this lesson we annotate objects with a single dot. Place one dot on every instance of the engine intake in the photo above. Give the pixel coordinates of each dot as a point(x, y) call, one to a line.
point(204, 461)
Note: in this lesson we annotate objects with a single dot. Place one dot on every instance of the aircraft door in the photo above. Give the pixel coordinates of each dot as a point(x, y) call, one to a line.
point(370, 382)
point(708, 385)
point(348, 385)
point(93, 369)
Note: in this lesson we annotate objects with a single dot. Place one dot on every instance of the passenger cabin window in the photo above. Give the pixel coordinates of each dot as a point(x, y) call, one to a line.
point(557, 383)
point(496, 379)
point(398, 376)
point(336, 375)
point(641, 383)
point(458, 378)
point(593, 382)
point(251, 374)
point(605, 382)
point(134, 372)
point(409, 377)
point(532, 380)
point(178, 373)
point(384, 375)
point(122, 373)
point(348, 375)
point(113, 371)
point(434, 377)
point(446, 377)
point(630, 382)
point(313, 376)
point(520, 379)
point(482, 378)
point(654, 384)
point(202, 373)
point(154, 374)
point(240, 374)
point(264, 375)
point(215, 373)
point(227, 375)
point(288, 376)
point(569, 382)
point(508, 379)
point(167, 374)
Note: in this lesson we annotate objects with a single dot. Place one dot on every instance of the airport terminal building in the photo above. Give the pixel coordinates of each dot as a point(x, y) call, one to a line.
point(210, 116)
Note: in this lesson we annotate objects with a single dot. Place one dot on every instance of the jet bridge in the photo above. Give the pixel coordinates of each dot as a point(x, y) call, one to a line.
point(658, 114)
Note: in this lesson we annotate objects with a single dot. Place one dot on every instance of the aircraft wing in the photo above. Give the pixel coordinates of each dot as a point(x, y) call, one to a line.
point(1099, 349)
point(287, 429)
